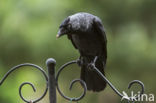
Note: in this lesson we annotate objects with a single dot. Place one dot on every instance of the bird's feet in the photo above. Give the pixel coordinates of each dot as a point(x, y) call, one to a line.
point(79, 62)
point(91, 65)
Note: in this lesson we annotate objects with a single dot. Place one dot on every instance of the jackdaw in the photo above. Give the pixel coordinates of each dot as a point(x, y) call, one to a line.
point(87, 34)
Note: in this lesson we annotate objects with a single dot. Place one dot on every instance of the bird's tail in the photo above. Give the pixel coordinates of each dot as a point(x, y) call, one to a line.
point(92, 79)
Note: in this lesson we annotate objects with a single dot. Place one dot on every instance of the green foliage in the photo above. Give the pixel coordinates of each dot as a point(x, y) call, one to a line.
point(28, 31)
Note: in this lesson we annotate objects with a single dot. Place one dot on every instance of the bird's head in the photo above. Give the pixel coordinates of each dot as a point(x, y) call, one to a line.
point(79, 22)
point(65, 28)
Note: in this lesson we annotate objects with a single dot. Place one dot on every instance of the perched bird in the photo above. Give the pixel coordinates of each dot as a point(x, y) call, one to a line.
point(87, 34)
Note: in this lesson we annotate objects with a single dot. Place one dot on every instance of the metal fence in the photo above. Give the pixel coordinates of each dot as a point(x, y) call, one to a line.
point(52, 82)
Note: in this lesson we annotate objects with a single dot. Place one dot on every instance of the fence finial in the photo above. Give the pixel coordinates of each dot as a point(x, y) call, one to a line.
point(52, 82)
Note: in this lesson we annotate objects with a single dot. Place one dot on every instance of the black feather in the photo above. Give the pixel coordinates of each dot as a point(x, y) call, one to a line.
point(87, 34)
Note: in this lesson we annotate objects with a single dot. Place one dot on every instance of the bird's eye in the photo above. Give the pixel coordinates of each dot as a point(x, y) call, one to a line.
point(60, 26)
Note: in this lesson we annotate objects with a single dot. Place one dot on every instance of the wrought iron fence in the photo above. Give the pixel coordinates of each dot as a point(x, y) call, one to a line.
point(52, 82)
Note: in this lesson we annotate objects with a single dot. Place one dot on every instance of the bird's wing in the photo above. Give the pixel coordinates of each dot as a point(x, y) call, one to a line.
point(70, 37)
point(102, 35)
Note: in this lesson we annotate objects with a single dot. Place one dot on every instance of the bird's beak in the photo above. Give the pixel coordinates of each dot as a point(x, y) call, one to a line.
point(58, 34)
point(61, 32)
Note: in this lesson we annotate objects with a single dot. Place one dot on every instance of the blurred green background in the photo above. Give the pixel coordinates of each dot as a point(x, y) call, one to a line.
point(28, 31)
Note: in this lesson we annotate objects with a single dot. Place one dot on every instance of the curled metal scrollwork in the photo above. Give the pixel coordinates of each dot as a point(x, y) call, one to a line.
point(71, 84)
point(115, 90)
point(102, 76)
point(27, 83)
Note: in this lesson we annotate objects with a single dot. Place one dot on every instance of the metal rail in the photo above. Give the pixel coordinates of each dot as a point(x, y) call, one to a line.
point(52, 82)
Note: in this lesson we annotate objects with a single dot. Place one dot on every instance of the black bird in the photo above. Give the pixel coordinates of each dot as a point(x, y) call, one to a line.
point(87, 34)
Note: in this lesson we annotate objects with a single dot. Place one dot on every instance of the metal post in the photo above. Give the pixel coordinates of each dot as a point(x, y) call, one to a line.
point(52, 82)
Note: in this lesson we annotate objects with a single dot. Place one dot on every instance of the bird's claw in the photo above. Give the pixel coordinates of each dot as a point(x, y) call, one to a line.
point(79, 62)
point(91, 66)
